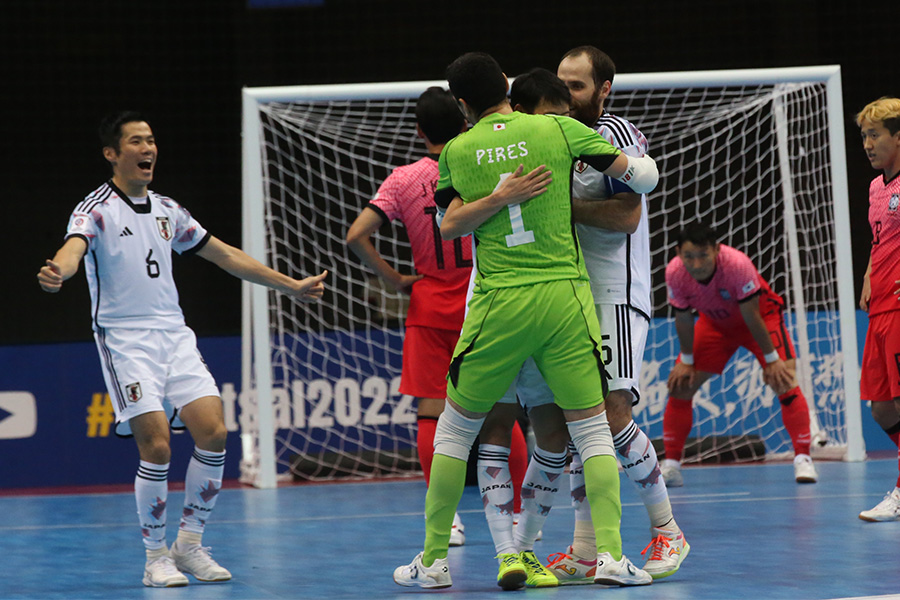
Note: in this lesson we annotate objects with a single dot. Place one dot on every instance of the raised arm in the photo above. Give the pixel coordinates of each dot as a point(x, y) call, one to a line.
point(243, 266)
point(359, 241)
point(463, 218)
point(63, 265)
point(776, 373)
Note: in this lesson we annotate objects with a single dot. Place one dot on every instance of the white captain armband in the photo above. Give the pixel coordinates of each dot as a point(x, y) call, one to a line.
point(641, 174)
point(771, 357)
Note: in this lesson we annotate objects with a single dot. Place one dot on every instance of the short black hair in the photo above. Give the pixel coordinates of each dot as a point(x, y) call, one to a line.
point(699, 234)
point(111, 126)
point(537, 85)
point(478, 79)
point(438, 116)
point(602, 66)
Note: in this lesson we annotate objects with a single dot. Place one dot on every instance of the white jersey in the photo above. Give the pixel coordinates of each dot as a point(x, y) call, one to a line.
point(129, 257)
point(618, 263)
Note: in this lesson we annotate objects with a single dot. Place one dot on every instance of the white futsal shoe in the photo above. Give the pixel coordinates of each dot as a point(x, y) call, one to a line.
point(886, 510)
point(804, 470)
point(195, 560)
point(667, 551)
point(417, 574)
point(671, 475)
point(162, 572)
point(457, 532)
point(620, 572)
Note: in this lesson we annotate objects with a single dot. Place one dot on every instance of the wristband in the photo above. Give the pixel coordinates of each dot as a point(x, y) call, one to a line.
point(687, 359)
point(771, 357)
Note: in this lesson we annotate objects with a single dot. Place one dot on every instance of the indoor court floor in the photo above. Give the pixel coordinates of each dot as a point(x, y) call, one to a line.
point(754, 533)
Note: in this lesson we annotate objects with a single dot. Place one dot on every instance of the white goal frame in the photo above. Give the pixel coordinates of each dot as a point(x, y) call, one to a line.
point(257, 375)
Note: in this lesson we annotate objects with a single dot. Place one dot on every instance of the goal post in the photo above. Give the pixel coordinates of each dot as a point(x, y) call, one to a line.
point(758, 153)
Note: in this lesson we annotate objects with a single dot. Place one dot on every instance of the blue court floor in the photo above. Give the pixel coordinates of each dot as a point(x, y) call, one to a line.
point(754, 534)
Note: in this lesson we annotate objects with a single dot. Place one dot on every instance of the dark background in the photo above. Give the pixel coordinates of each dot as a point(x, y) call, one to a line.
point(65, 64)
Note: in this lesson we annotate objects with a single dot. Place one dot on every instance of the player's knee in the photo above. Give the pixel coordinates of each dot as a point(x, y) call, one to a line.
point(212, 439)
point(592, 436)
point(556, 441)
point(618, 409)
point(155, 450)
point(455, 433)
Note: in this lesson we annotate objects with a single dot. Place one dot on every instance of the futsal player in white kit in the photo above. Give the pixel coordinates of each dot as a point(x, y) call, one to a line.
point(152, 368)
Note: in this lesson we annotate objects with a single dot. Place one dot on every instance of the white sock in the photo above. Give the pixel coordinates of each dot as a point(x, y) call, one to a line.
point(538, 490)
point(638, 458)
point(495, 483)
point(201, 488)
point(151, 491)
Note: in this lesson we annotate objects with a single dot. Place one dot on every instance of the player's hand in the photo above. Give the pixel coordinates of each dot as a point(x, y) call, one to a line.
point(778, 376)
point(518, 188)
point(681, 379)
point(897, 291)
point(405, 283)
point(866, 294)
point(310, 289)
point(50, 277)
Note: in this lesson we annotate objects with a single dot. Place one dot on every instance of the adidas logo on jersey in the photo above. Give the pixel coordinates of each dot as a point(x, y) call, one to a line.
point(125, 232)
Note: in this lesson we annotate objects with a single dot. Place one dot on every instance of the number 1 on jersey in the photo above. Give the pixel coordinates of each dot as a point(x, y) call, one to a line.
point(519, 234)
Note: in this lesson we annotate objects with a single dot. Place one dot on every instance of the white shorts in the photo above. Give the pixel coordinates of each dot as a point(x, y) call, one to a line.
point(150, 370)
point(624, 333)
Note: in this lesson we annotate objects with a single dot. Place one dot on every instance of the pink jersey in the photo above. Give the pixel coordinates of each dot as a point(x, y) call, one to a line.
point(884, 218)
point(438, 299)
point(734, 280)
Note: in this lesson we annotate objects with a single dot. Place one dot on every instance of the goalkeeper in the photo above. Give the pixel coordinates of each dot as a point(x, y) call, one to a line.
point(737, 308)
point(438, 290)
point(531, 298)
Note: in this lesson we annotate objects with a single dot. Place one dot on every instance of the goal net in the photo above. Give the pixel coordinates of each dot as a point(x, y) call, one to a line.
point(758, 154)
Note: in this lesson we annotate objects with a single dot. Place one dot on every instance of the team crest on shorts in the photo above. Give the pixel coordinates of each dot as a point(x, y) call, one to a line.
point(165, 229)
point(580, 167)
point(894, 203)
point(133, 392)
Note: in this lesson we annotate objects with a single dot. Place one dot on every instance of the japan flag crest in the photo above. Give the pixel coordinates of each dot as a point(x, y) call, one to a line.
point(165, 229)
point(499, 126)
point(133, 392)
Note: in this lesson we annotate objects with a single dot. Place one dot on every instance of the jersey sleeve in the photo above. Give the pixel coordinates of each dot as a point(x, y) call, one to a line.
point(445, 192)
point(586, 144)
point(189, 235)
point(744, 278)
point(674, 287)
point(386, 199)
point(87, 226)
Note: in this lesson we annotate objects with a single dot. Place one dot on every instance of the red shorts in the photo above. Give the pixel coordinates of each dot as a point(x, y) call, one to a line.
point(426, 360)
point(713, 347)
point(880, 380)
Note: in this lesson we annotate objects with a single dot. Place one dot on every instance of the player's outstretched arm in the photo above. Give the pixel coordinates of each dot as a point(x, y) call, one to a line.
point(360, 242)
point(243, 266)
point(620, 212)
point(63, 265)
point(463, 218)
point(776, 373)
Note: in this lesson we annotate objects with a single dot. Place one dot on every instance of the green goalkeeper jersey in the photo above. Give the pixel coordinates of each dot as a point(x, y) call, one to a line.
point(534, 241)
